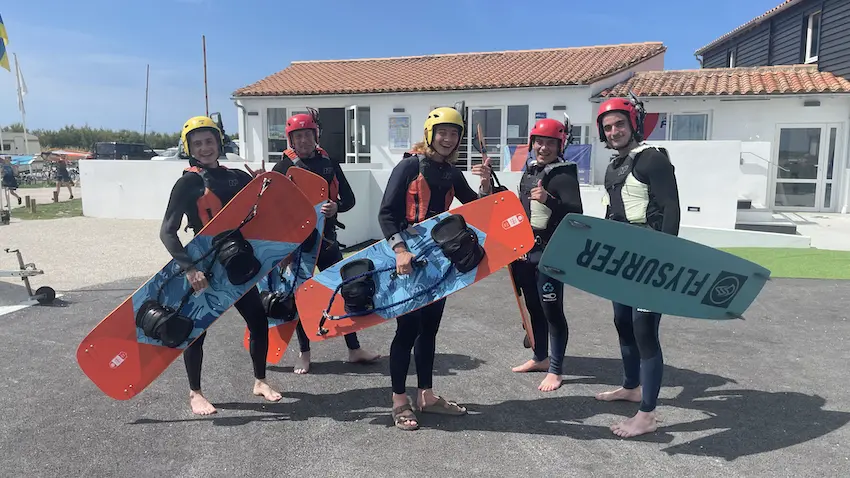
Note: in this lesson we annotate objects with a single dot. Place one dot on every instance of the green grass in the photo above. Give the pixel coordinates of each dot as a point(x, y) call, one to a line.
point(798, 263)
point(52, 210)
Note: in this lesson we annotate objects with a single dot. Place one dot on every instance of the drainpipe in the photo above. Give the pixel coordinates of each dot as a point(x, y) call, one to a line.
point(243, 141)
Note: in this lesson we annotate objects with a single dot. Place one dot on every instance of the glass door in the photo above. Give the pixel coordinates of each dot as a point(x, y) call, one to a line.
point(490, 120)
point(351, 134)
point(804, 164)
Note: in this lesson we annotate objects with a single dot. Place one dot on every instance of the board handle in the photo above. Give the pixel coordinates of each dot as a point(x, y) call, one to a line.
point(553, 270)
point(578, 224)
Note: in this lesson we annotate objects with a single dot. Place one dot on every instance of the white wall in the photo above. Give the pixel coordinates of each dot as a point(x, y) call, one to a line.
point(140, 189)
point(755, 169)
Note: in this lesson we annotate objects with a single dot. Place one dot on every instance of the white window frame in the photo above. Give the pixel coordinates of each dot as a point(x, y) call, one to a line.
point(730, 58)
point(670, 120)
point(356, 156)
point(809, 57)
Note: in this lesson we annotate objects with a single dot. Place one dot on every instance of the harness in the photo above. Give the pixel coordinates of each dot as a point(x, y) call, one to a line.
point(538, 213)
point(630, 200)
point(419, 190)
point(217, 192)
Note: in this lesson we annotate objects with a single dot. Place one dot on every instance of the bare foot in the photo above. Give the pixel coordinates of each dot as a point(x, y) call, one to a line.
point(362, 356)
point(200, 405)
point(629, 395)
point(551, 382)
point(263, 389)
point(642, 422)
point(532, 366)
point(302, 365)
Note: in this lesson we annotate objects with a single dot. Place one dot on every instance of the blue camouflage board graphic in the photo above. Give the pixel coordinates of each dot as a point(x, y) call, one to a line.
point(212, 302)
point(305, 261)
point(412, 288)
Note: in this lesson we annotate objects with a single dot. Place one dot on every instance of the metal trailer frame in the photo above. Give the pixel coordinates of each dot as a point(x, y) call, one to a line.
point(44, 294)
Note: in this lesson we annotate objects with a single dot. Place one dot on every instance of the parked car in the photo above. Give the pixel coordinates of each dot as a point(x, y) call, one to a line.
point(123, 151)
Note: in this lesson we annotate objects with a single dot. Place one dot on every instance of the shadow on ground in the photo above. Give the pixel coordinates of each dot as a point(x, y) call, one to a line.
point(745, 421)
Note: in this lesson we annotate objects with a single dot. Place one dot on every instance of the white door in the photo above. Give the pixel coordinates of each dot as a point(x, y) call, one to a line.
point(805, 175)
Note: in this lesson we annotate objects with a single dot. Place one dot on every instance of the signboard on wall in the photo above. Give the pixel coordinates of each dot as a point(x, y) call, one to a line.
point(540, 115)
point(399, 132)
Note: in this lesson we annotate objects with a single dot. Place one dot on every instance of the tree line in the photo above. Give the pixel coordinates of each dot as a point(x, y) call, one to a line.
point(82, 138)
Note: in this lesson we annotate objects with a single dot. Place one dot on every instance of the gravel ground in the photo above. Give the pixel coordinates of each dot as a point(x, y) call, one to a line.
point(80, 252)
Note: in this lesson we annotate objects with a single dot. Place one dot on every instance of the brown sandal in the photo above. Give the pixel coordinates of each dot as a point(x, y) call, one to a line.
point(400, 420)
point(444, 407)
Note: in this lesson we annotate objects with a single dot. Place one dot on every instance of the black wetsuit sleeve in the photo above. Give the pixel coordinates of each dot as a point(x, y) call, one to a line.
point(391, 215)
point(346, 195)
point(463, 192)
point(564, 195)
point(182, 196)
point(654, 168)
point(283, 165)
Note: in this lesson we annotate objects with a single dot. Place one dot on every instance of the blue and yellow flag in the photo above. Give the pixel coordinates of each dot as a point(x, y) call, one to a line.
point(4, 38)
point(3, 34)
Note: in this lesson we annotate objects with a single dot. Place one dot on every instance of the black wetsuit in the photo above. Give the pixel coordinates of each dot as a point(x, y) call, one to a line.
point(329, 251)
point(419, 328)
point(544, 295)
point(651, 171)
point(183, 201)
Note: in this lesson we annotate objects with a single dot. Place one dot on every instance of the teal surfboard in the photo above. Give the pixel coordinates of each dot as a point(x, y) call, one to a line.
point(647, 269)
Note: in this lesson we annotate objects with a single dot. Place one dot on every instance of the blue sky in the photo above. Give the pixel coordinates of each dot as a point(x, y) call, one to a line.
point(84, 61)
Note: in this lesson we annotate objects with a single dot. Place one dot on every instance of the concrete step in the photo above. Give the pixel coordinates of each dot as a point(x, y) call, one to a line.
point(757, 215)
point(775, 226)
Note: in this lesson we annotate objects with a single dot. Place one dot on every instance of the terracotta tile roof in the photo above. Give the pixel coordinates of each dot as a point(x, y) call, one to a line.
point(755, 21)
point(762, 80)
point(466, 71)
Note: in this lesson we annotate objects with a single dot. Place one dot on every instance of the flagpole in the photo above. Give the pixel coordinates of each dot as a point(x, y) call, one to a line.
point(21, 94)
point(147, 85)
point(206, 95)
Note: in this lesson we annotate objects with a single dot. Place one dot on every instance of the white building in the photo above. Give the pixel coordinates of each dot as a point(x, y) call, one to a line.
point(793, 120)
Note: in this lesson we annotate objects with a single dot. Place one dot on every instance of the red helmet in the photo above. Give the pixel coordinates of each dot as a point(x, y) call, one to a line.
point(549, 128)
point(301, 121)
point(623, 105)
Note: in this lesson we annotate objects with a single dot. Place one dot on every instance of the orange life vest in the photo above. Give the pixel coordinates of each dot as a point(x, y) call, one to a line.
point(217, 192)
point(325, 169)
point(419, 190)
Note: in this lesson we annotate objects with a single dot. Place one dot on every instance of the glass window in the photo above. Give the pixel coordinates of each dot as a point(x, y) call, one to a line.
point(277, 130)
point(689, 127)
point(517, 124)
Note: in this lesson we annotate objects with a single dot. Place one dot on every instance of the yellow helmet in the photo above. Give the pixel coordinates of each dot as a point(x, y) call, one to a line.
point(197, 123)
point(444, 115)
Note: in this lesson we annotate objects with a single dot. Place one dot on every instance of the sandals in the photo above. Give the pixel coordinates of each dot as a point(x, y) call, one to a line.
point(401, 420)
point(444, 407)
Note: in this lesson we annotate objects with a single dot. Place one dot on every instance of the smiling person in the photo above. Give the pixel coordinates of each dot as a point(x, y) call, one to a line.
point(422, 185)
point(548, 190)
point(202, 143)
point(641, 189)
point(302, 131)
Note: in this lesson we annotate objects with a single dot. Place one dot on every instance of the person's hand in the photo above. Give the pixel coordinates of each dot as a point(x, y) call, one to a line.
point(403, 262)
point(329, 208)
point(539, 194)
point(484, 170)
point(197, 279)
point(258, 172)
